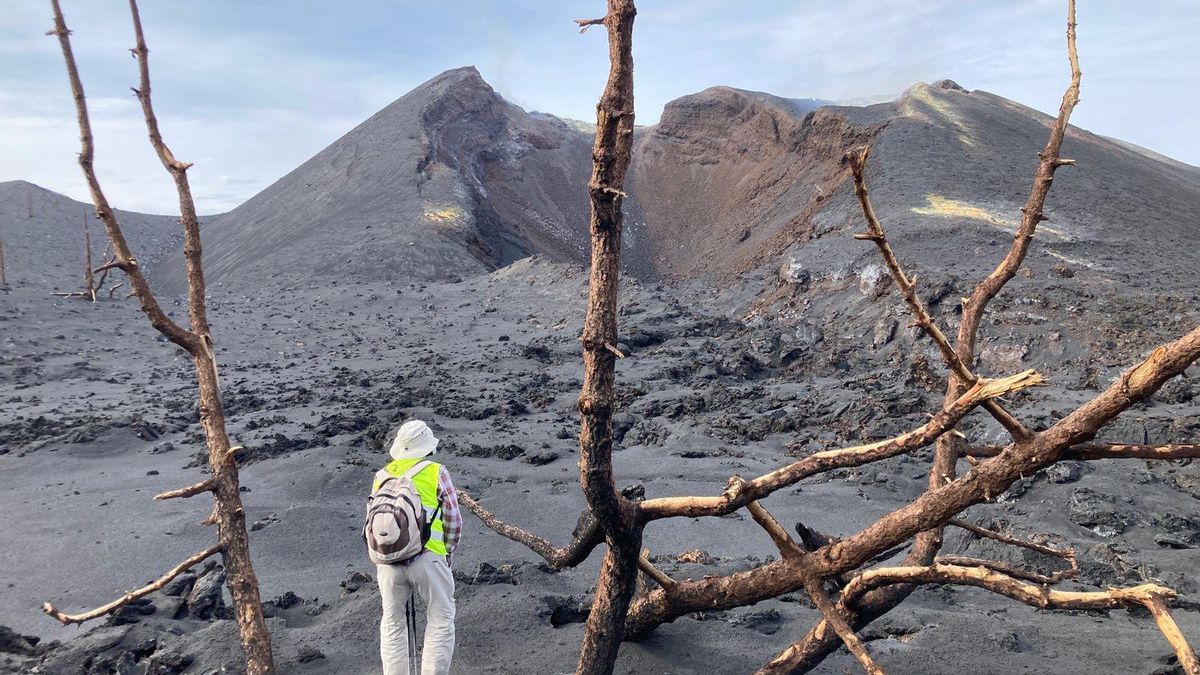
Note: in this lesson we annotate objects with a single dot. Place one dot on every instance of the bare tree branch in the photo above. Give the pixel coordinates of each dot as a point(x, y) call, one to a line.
point(68, 619)
point(1098, 451)
point(741, 492)
point(588, 535)
point(206, 485)
point(907, 287)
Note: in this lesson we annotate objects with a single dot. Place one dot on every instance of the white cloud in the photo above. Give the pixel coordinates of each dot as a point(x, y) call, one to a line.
point(248, 91)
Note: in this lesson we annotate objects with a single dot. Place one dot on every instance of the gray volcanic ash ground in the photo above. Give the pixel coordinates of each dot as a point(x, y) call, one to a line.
point(390, 277)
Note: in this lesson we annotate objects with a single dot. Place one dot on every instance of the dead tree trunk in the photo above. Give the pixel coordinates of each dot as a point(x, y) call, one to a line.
point(228, 513)
point(89, 278)
point(3, 275)
point(616, 514)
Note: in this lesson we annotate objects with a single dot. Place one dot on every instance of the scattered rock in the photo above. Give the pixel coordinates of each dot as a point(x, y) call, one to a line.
point(286, 600)
point(207, 595)
point(767, 622)
point(354, 581)
point(541, 458)
point(12, 642)
point(696, 557)
point(308, 653)
point(562, 610)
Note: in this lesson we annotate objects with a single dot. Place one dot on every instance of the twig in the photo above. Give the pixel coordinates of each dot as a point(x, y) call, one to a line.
point(659, 577)
point(616, 352)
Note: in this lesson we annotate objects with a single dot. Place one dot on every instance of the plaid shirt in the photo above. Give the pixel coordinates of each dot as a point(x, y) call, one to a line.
point(451, 517)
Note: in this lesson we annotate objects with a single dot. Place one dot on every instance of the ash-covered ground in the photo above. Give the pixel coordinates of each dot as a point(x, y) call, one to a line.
point(98, 414)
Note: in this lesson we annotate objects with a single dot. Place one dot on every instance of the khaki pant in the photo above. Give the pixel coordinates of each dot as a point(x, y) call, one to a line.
point(429, 575)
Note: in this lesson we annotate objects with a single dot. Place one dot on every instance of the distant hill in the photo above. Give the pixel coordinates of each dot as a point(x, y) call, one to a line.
point(42, 233)
point(449, 180)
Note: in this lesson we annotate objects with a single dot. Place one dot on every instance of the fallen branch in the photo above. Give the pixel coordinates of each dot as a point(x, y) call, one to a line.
point(1150, 596)
point(68, 619)
point(1098, 451)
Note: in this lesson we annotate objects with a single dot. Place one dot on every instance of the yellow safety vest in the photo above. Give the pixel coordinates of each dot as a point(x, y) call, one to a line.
point(426, 482)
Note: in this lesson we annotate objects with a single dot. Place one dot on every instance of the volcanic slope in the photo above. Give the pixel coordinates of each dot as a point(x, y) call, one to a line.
point(449, 180)
point(728, 182)
point(452, 180)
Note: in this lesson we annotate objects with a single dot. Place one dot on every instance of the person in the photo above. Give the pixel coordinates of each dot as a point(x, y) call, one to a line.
point(429, 572)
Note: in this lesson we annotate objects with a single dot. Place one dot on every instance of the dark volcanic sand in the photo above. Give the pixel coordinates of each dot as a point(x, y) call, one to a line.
point(314, 374)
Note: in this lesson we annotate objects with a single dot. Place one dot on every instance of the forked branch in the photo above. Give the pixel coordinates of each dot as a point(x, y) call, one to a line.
point(833, 617)
point(907, 286)
point(124, 257)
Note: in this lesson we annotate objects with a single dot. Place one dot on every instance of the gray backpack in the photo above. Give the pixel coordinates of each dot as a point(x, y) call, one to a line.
point(396, 530)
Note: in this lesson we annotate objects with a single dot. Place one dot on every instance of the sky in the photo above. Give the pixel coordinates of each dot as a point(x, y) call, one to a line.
point(247, 90)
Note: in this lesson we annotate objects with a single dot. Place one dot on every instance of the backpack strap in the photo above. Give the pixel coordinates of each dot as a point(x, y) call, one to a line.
point(416, 469)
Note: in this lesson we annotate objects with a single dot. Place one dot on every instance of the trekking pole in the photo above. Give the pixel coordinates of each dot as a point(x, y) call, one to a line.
point(410, 610)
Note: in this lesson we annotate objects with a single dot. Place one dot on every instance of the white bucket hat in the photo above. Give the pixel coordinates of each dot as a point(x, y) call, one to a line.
point(414, 440)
